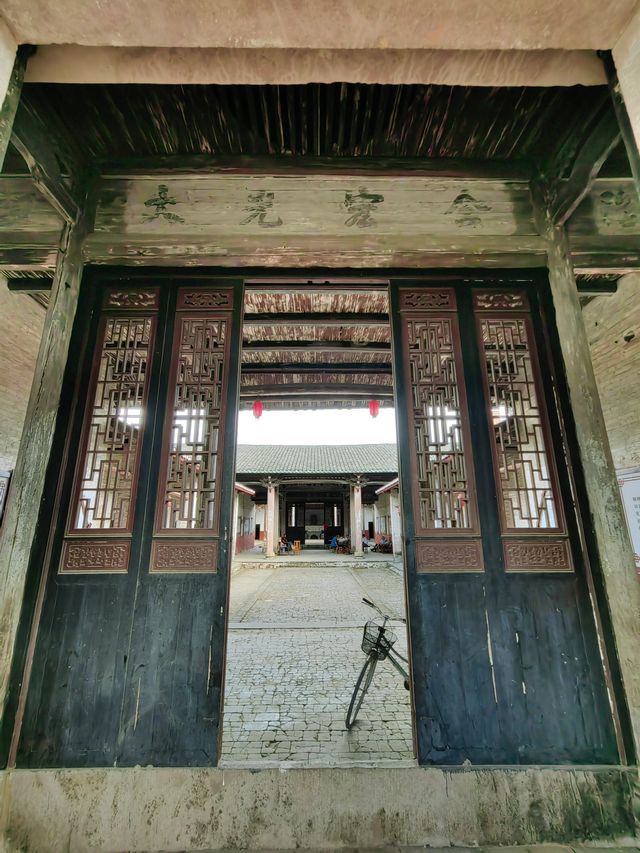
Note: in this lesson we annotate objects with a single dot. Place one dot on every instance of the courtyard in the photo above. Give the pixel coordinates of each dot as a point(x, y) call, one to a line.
point(293, 657)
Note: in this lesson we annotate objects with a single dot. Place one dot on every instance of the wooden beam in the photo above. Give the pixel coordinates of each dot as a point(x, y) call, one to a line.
point(596, 148)
point(27, 255)
point(622, 115)
point(335, 367)
point(319, 398)
point(33, 141)
point(285, 165)
point(315, 346)
point(12, 98)
point(317, 318)
point(30, 285)
point(338, 389)
point(597, 287)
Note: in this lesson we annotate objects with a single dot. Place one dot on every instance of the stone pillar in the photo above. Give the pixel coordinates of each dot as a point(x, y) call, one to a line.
point(626, 56)
point(620, 583)
point(27, 486)
point(271, 519)
point(396, 523)
point(356, 541)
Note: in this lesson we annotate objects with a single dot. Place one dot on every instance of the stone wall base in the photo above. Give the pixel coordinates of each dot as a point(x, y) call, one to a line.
point(323, 808)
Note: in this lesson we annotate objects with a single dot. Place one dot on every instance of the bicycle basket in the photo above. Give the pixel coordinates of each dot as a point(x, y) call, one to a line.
point(377, 639)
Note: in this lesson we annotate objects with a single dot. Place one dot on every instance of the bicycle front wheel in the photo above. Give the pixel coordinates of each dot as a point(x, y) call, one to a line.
point(360, 690)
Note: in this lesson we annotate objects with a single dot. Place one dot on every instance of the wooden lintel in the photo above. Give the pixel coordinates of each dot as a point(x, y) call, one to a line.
point(337, 368)
point(287, 165)
point(33, 142)
point(316, 318)
point(595, 150)
point(315, 346)
point(339, 389)
point(31, 285)
point(628, 136)
point(27, 257)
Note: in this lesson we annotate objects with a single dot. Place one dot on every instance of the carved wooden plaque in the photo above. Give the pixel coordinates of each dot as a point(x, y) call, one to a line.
point(184, 556)
point(440, 556)
point(97, 555)
point(537, 556)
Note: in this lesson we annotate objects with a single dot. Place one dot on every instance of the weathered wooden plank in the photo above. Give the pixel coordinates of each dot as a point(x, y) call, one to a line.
point(33, 141)
point(336, 368)
point(12, 98)
point(310, 389)
point(253, 205)
point(22, 515)
point(502, 170)
point(610, 209)
point(23, 209)
point(595, 150)
point(317, 318)
point(628, 136)
point(31, 257)
point(615, 585)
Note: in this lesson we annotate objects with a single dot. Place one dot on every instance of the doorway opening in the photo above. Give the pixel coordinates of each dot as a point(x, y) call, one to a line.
point(317, 530)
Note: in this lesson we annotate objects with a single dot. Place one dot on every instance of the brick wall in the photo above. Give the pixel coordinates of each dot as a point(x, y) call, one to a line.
point(608, 319)
point(21, 321)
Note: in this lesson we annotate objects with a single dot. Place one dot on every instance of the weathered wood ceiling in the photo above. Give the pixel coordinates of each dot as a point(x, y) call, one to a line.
point(290, 363)
point(116, 122)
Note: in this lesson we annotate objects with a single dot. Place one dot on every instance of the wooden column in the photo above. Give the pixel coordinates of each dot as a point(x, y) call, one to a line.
point(234, 523)
point(271, 519)
point(19, 526)
point(11, 99)
point(396, 524)
point(619, 593)
point(356, 539)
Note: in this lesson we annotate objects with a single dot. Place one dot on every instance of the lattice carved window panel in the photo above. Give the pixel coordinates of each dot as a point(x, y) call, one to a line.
point(534, 536)
point(443, 484)
point(107, 472)
point(443, 490)
point(190, 497)
point(523, 468)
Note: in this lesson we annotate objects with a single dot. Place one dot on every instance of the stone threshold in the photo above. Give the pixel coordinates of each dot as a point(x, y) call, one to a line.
point(312, 809)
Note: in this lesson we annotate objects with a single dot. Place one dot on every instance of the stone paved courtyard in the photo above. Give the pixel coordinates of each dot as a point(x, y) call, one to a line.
point(294, 655)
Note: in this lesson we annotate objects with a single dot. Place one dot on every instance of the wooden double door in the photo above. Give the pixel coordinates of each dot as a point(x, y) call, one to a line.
point(127, 665)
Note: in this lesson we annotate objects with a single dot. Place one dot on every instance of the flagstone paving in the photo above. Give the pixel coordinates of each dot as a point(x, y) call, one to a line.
point(293, 657)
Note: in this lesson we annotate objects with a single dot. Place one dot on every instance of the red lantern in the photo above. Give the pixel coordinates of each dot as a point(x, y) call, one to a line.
point(257, 409)
point(374, 408)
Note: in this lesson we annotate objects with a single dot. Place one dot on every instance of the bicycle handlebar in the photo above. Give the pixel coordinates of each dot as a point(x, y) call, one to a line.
point(384, 615)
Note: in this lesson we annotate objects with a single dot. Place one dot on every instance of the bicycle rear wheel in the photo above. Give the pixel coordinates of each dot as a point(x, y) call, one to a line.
point(360, 690)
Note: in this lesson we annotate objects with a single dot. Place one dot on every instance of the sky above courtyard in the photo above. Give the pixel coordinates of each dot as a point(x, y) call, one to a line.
point(326, 426)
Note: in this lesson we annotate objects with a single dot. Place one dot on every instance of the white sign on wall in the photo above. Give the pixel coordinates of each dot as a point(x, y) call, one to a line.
point(629, 482)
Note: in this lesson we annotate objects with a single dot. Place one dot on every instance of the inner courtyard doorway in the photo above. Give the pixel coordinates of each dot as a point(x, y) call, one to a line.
point(296, 592)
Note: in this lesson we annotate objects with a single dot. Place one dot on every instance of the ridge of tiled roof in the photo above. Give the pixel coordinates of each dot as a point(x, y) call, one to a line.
point(316, 459)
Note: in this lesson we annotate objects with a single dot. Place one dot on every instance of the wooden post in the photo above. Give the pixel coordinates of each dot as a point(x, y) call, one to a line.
point(396, 528)
point(19, 526)
point(234, 523)
point(357, 519)
point(620, 593)
point(12, 99)
point(272, 500)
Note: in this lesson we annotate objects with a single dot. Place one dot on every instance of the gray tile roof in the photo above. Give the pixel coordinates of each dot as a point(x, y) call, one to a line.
point(311, 459)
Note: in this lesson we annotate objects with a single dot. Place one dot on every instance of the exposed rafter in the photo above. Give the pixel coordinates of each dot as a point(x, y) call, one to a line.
point(317, 318)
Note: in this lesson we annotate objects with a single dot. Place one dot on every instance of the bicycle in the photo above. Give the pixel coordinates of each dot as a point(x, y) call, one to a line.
point(377, 644)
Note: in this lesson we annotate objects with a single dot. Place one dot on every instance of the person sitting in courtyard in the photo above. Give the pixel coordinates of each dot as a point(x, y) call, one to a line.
point(333, 544)
point(285, 545)
point(365, 543)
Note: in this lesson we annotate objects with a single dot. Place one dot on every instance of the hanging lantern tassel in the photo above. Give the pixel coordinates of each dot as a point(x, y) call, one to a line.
point(257, 409)
point(374, 408)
